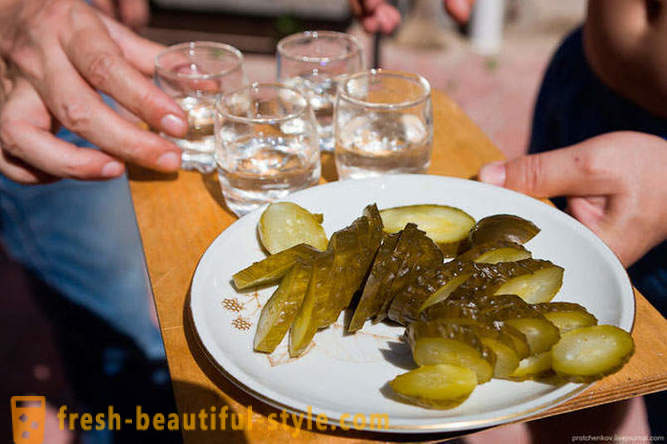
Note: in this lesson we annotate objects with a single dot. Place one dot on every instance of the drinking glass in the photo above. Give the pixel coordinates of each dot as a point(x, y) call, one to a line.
point(313, 62)
point(194, 74)
point(383, 124)
point(266, 145)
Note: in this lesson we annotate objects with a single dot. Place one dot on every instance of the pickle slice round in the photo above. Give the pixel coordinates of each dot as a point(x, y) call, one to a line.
point(566, 315)
point(494, 252)
point(440, 386)
point(532, 367)
point(440, 342)
point(446, 226)
point(589, 353)
point(285, 224)
point(503, 227)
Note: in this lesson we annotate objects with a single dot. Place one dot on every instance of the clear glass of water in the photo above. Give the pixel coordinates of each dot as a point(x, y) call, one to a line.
point(194, 74)
point(313, 62)
point(266, 145)
point(383, 124)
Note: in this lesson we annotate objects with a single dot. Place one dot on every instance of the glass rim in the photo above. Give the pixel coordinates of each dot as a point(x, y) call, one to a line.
point(223, 110)
point(161, 70)
point(313, 35)
point(413, 77)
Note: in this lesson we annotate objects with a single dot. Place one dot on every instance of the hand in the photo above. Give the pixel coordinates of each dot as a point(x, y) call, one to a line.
point(134, 13)
point(62, 50)
point(615, 184)
point(376, 15)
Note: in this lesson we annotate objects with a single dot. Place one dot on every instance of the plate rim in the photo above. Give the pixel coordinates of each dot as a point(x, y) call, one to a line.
point(450, 424)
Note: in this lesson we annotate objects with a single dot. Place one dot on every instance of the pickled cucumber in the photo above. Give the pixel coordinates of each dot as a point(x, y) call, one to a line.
point(370, 302)
point(513, 311)
point(589, 353)
point(438, 342)
point(440, 386)
point(279, 311)
point(272, 268)
point(315, 304)
point(566, 315)
point(285, 224)
point(494, 252)
point(532, 367)
point(502, 227)
point(447, 226)
point(424, 255)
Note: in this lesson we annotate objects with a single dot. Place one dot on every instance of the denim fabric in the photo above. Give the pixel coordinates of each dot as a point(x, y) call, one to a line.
point(574, 105)
point(81, 238)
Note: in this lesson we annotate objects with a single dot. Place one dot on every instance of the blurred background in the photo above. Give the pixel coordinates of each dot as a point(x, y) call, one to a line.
point(496, 85)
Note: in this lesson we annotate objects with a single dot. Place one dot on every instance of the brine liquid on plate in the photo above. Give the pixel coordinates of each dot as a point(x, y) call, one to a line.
point(379, 143)
point(320, 91)
point(267, 168)
point(199, 143)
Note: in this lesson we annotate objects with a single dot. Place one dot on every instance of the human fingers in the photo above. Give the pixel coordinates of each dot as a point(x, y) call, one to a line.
point(134, 13)
point(100, 61)
point(25, 137)
point(459, 10)
point(579, 170)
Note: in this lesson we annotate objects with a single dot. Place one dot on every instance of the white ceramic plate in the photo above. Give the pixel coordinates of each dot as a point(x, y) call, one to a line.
point(346, 374)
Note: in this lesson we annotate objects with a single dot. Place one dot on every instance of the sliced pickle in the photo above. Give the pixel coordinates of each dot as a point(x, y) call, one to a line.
point(502, 227)
point(272, 268)
point(440, 386)
point(315, 304)
point(443, 292)
point(566, 315)
point(539, 286)
point(513, 311)
point(405, 306)
point(447, 226)
point(375, 228)
point(405, 248)
point(285, 224)
point(347, 271)
point(370, 302)
point(439, 342)
point(532, 367)
point(589, 353)
point(494, 252)
point(425, 255)
point(279, 311)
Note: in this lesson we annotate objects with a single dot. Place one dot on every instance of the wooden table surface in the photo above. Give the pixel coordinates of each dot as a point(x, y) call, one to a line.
point(180, 215)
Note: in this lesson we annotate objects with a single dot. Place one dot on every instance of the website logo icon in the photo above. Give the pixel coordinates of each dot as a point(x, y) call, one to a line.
point(28, 414)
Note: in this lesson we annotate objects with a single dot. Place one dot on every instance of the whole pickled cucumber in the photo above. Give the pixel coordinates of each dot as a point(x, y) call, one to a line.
point(502, 227)
point(272, 268)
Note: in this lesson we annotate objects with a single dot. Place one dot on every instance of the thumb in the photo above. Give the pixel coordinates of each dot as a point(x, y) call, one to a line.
point(562, 172)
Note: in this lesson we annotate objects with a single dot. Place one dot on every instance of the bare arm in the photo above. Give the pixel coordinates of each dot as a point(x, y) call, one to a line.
point(626, 44)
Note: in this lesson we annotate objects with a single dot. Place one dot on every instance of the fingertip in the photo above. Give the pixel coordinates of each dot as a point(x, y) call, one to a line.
point(113, 169)
point(370, 24)
point(493, 173)
point(169, 162)
point(174, 125)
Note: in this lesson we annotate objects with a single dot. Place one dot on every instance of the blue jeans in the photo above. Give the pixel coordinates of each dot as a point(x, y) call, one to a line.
point(81, 239)
point(574, 105)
